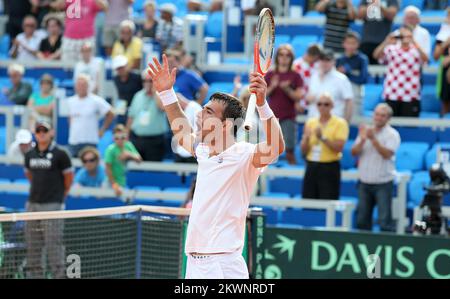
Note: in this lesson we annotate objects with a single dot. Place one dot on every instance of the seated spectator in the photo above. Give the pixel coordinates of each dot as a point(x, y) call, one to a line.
point(89, 65)
point(92, 174)
point(85, 112)
point(322, 144)
point(117, 12)
point(26, 45)
point(169, 32)
point(116, 156)
point(42, 103)
point(128, 45)
point(147, 122)
point(50, 47)
point(421, 35)
point(354, 65)
point(442, 54)
point(339, 14)
point(329, 80)
point(21, 145)
point(148, 29)
point(375, 147)
point(402, 83)
point(188, 82)
point(20, 91)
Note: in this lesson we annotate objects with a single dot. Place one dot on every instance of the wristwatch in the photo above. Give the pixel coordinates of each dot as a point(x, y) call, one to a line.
point(323, 139)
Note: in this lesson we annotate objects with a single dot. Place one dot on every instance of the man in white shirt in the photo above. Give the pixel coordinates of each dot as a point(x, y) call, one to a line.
point(421, 35)
point(376, 146)
point(329, 80)
point(89, 65)
point(26, 44)
point(85, 111)
point(21, 145)
point(227, 173)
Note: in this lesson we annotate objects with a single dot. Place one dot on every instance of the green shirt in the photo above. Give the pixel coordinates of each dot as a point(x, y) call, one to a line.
point(118, 168)
point(148, 119)
point(40, 100)
point(20, 95)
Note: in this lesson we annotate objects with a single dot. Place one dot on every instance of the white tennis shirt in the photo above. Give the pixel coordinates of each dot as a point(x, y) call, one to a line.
point(222, 195)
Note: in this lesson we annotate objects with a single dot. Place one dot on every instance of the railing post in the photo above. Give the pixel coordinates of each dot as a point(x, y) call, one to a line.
point(138, 243)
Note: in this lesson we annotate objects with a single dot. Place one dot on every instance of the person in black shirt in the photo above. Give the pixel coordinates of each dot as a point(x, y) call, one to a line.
point(49, 170)
point(50, 47)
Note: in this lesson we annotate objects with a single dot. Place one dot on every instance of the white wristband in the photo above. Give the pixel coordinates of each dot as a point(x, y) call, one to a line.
point(168, 97)
point(264, 111)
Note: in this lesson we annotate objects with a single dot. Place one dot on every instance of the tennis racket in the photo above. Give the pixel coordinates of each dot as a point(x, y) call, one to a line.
point(262, 55)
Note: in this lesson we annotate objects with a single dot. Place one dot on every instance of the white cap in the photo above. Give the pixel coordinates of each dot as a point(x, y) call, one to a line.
point(169, 7)
point(23, 136)
point(119, 61)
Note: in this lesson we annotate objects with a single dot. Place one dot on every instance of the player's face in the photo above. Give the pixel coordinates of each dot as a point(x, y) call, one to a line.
point(211, 120)
point(380, 117)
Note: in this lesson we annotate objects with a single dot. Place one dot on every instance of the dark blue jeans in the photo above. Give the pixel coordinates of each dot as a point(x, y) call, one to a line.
point(369, 196)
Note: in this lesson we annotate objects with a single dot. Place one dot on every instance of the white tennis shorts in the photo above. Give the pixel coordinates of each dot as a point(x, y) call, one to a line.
point(217, 266)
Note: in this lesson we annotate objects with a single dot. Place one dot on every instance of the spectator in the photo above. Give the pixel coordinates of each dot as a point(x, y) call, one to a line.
point(117, 12)
point(306, 66)
point(116, 156)
point(169, 32)
point(376, 146)
point(339, 13)
point(441, 52)
point(402, 83)
point(26, 45)
point(128, 45)
point(42, 103)
point(50, 173)
point(211, 6)
point(329, 80)
point(377, 16)
point(21, 145)
point(79, 26)
point(85, 112)
point(92, 174)
point(89, 65)
point(20, 91)
point(322, 144)
point(147, 122)
point(43, 8)
point(150, 26)
point(188, 82)
point(354, 65)
point(50, 47)
point(421, 35)
point(283, 91)
point(16, 11)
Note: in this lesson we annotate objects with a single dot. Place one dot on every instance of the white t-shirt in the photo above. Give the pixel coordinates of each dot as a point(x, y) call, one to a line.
point(85, 115)
point(422, 37)
point(222, 195)
point(92, 69)
point(191, 111)
point(337, 85)
point(32, 43)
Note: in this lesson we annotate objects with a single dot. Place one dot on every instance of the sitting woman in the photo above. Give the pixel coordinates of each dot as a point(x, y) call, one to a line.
point(92, 174)
point(50, 47)
point(42, 103)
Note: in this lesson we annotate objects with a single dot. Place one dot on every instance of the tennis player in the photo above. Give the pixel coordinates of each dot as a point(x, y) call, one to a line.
point(227, 173)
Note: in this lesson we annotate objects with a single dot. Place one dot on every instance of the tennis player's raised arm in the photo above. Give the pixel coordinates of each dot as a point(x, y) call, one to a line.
point(266, 152)
point(163, 81)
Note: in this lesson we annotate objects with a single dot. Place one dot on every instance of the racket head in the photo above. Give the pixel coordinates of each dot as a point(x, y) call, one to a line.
point(264, 41)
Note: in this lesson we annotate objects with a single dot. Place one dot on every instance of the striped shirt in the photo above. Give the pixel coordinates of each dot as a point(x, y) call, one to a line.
point(337, 24)
point(372, 167)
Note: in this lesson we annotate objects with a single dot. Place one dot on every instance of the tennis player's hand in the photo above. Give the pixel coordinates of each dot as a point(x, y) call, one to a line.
point(258, 86)
point(163, 79)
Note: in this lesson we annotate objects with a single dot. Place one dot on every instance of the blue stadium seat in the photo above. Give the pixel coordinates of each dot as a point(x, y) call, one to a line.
point(14, 201)
point(372, 96)
point(429, 100)
point(138, 5)
point(104, 142)
point(303, 217)
point(348, 189)
point(12, 172)
point(4, 46)
point(348, 161)
point(415, 188)
point(444, 136)
point(430, 157)
point(417, 134)
point(281, 39)
point(3, 149)
point(150, 178)
point(300, 43)
point(410, 156)
point(417, 3)
point(214, 24)
point(292, 186)
point(89, 202)
point(428, 115)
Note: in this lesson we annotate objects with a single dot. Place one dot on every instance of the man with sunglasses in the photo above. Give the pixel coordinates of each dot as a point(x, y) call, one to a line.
point(50, 172)
point(26, 45)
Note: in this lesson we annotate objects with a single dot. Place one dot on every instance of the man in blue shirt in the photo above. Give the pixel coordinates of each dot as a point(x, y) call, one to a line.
point(92, 174)
point(354, 65)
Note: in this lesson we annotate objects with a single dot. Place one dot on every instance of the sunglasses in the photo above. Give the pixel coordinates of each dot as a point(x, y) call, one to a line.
point(43, 130)
point(89, 160)
point(120, 137)
point(323, 104)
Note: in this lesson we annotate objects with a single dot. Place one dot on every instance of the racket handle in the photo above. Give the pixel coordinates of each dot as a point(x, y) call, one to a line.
point(250, 112)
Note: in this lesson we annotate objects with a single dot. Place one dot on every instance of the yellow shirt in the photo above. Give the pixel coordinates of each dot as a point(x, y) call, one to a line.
point(132, 52)
point(335, 129)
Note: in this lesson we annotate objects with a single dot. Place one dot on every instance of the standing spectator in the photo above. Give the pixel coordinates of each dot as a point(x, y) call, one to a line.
point(354, 65)
point(188, 82)
point(85, 112)
point(322, 144)
point(169, 32)
point(20, 91)
point(147, 122)
point(376, 146)
point(128, 45)
point(42, 103)
point(339, 13)
point(421, 35)
point(43, 8)
point(16, 11)
point(116, 156)
point(284, 90)
point(26, 45)
point(50, 47)
point(148, 29)
point(402, 83)
point(50, 172)
point(118, 11)
point(92, 174)
point(329, 80)
point(442, 53)
point(21, 145)
point(377, 16)
point(89, 65)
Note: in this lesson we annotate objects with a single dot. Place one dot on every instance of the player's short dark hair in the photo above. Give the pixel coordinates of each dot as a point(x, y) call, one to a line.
point(352, 34)
point(233, 109)
point(314, 50)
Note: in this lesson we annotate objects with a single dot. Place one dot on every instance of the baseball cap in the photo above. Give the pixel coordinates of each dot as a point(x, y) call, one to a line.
point(43, 124)
point(119, 61)
point(327, 54)
point(23, 136)
point(168, 7)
